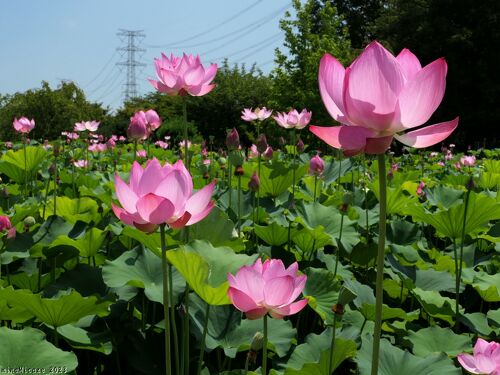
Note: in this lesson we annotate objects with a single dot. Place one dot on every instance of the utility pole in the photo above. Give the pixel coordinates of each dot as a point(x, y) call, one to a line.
point(132, 38)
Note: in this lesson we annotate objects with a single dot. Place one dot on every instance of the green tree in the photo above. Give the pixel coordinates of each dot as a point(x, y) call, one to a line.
point(316, 29)
point(54, 111)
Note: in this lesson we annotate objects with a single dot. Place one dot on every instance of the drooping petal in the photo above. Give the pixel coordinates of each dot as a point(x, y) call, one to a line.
point(422, 95)
point(125, 195)
point(343, 137)
point(201, 215)
point(277, 291)
point(199, 201)
point(294, 308)
point(240, 300)
point(371, 88)
point(331, 81)
point(155, 209)
point(428, 135)
point(256, 313)
point(375, 146)
point(210, 74)
point(181, 222)
point(410, 65)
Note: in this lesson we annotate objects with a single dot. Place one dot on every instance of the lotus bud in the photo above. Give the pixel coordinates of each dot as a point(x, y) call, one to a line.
point(29, 221)
point(257, 342)
point(316, 166)
point(268, 154)
point(262, 144)
point(254, 182)
point(233, 140)
point(470, 184)
point(137, 128)
point(300, 146)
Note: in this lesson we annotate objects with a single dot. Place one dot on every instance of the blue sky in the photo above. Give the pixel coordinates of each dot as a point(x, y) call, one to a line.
point(77, 39)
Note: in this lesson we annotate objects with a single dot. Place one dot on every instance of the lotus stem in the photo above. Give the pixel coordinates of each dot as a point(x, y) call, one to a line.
point(239, 205)
point(166, 302)
point(379, 291)
point(135, 149)
point(459, 261)
point(25, 168)
point(172, 320)
point(203, 337)
point(264, 348)
point(184, 116)
point(338, 247)
point(315, 187)
point(294, 162)
point(185, 329)
point(332, 344)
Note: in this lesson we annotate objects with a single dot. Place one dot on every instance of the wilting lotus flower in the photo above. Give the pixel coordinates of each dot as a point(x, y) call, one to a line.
point(23, 125)
point(316, 166)
point(468, 161)
point(259, 114)
point(486, 358)
point(91, 126)
point(80, 163)
point(181, 76)
point(267, 288)
point(161, 195)
point(293, 119)
point(379, 97)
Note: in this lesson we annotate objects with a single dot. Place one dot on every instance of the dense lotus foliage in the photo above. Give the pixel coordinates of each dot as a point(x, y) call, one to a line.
point(119, 254)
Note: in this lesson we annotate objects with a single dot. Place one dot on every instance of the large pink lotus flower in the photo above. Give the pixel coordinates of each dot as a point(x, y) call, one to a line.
point(379, 97)
point(486, 358)
point(161, 195)
point(181, 76)
point(23, 125)
point(259, 114)
point(267, 288)
point(293, 119)
point(91, 126)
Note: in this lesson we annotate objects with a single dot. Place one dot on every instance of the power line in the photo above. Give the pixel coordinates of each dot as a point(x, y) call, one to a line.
point(102, 69)
point(252, 26)
point(258, 45)
point(241, 12)
point(112, 87)
point(111, 76)
point(131, 49)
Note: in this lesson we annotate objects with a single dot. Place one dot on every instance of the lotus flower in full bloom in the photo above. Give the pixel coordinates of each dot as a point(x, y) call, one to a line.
point(259, 114)
point(161, 195)
point(468, 161)
point(23, 125)
point(486, 358)
point(91, 126)
point(293, 119)
point(267, 287)
point(181, 76)
point(379, 97)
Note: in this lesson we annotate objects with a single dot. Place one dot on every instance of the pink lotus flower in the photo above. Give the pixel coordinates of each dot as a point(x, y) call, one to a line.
point(181, 76)
point(267, 288)
point(23, 125)
point(142, 124)
point(183, 143)
point(486, 358)
point(420, 189)
point(161, 195)
point(468, 161)
point(293, 119)
point(259, 114)
point(8, 144)
point(161, 144)
point(6, 227)
point(441, 163)
point(98, 147)
point(141, 154)
point(80, 163)
point(91, 126)
point(110, 143)
point(316, 166)
point(379, 97)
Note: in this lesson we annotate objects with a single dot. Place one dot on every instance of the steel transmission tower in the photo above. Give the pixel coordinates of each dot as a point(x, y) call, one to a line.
point(132, 38)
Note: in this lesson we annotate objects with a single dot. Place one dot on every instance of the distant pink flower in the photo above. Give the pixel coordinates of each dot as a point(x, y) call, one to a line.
point(316, 166)
point(252, 152)
point(121, 138)
point(161, 144)
point(72, 135)
point(448, 155)
point(90, 126)
point(468, 161)
point(80, 163)
point(98, 147)
point(181, 76)
point(8, 144)
point(267, 288)
point(207, 162)
point(441, 163)
point(420, 188)
point(378, 98)
point(433, 154)
point(485, 358)
point(141, 154)
point(259, 114)
point(6, 227)
point(293, 119)
point(110, 143)
point(182, 144)
point(23, 125)
point(161, 195)
point(457, 165)
point(394, 167)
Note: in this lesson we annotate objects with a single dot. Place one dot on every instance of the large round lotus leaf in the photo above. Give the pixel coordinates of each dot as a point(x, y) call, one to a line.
point(28, 348)
point(432, 340)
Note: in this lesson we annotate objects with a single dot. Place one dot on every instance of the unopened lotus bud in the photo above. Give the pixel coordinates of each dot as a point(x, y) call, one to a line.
point(268, 154)
point(470, 184)
point(254, 182)
point(233, 140)
point(257, 342)
point(239, 171)
point(300, 146)
point(52, 169)
point(29, 221)
point(262, 144)
point(316, 166)
point(338, 309)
